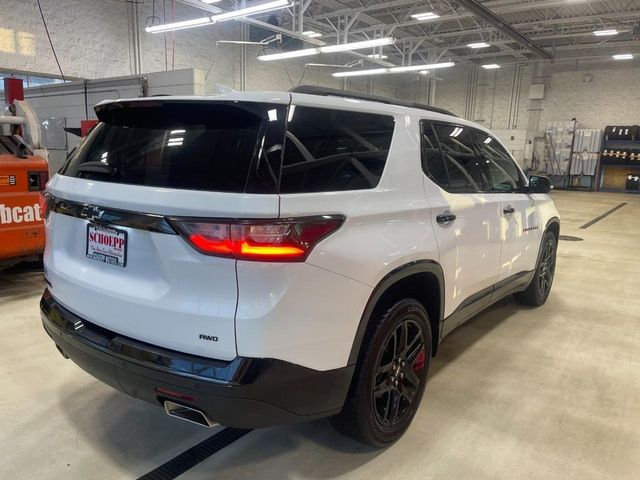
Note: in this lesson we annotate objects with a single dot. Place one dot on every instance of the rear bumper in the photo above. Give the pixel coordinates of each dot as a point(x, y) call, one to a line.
point(243, 393)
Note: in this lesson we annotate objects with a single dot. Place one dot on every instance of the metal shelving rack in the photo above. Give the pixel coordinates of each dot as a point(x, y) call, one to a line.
point(633, 166)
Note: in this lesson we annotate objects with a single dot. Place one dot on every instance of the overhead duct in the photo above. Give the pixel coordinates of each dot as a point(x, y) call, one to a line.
point(505, 27)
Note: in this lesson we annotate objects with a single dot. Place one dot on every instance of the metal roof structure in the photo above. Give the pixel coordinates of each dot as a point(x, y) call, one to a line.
point(516, 30)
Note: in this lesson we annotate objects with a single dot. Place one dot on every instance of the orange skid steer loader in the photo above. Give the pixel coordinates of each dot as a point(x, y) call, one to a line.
point(23, 175)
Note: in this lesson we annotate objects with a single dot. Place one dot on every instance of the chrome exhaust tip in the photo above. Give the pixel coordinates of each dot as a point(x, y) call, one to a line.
point(188, 414)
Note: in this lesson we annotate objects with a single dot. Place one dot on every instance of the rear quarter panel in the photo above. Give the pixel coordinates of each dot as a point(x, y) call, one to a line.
point(309, 313)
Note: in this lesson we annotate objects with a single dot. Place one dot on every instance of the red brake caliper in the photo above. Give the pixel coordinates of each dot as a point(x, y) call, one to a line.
point(418, 362)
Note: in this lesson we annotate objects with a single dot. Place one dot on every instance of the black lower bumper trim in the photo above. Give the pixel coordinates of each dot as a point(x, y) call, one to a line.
point(242, 393)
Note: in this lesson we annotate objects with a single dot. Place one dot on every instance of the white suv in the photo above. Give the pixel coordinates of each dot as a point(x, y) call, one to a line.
point(253, 259)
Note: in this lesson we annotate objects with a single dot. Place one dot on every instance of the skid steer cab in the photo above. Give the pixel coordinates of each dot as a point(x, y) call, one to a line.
point(24, 173)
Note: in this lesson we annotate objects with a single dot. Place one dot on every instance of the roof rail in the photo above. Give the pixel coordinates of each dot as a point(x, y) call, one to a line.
point(334, 92)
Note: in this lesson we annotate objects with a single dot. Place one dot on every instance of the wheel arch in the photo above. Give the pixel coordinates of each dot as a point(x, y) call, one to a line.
point(553, 225)
point(423, 280)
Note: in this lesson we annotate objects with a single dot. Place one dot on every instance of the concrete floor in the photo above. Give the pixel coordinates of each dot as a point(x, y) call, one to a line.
point(513, 394)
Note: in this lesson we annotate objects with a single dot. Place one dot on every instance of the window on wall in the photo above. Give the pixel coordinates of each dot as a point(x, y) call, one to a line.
point(334, 150)
point(28, 79)
point(464, 174)
point(502, 172)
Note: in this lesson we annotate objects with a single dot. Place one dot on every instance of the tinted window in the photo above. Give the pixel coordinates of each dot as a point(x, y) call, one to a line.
point(501, 170)
point(225, 147)
point(432, 161)
point(333, 150)
point(463, 167)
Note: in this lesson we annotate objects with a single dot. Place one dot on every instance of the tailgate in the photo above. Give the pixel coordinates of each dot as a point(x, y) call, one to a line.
point(167, 293)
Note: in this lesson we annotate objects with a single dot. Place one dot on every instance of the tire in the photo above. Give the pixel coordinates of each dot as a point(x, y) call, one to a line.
point(538, 290)
point(379, 418)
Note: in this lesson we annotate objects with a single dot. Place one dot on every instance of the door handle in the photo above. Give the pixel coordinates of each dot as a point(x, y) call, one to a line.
point(508, 210)
point(445, 218)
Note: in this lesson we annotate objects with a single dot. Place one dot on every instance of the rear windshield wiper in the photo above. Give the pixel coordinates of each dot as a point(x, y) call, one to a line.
point(97, 167)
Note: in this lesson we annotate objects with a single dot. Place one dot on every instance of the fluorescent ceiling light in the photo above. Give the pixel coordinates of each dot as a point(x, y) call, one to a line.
point(167, 27)
point(417, 68)
point(425, 16)
point(210, 1)
point(312, 34)
point(378, 56)
point(605, 33)
point(243, 12)
point(343, 47)
point(478, 45)
point(292, 54)
point(328, 49)
point(491, 66)
point(456, 131)
point(373, 71)
point(623, 56)
point(381, 71)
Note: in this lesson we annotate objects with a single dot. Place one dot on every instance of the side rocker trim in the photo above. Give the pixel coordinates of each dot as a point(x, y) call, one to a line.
point(404, 271)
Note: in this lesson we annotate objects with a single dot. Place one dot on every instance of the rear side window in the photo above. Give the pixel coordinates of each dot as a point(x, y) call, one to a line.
point(214, 146)
point(333, 150)
point(464, 172)
point(432, 161)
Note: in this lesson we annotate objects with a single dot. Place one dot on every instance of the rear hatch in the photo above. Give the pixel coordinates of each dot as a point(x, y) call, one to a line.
point(114, 255)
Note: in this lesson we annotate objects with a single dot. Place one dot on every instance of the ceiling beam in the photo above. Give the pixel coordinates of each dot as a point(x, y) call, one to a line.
point(505, 27)
point(564, 48)
point(497, 6)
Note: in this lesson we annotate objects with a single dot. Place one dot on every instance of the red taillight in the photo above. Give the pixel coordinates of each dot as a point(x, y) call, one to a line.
point(46, 202)
point(272, 240)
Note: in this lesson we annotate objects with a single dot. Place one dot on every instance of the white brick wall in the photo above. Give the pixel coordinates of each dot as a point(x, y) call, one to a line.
point(612, 96)
point(91, 37)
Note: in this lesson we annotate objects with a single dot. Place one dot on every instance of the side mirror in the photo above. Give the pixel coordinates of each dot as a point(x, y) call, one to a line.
point(539, 184)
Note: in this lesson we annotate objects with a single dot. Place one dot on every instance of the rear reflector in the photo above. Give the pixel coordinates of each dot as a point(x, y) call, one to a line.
point(260, 240)
point(174, 394)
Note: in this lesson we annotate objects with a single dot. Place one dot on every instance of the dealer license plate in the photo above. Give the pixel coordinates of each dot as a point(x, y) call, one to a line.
point(107, 245)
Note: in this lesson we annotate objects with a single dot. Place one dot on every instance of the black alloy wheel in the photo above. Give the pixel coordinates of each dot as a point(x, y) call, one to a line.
point(397, 378)
point(390, 377)
point(547, 267)
point(538, 290)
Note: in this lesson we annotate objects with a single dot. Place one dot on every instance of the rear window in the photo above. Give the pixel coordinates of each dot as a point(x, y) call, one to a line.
point(331, 150)
point(221, 146)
